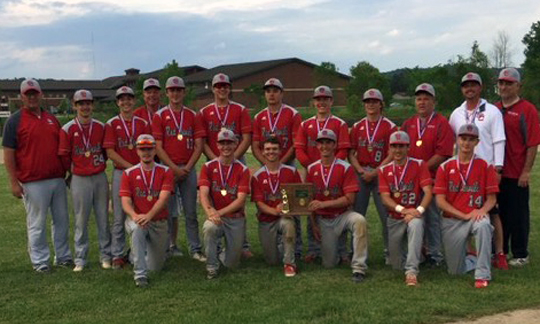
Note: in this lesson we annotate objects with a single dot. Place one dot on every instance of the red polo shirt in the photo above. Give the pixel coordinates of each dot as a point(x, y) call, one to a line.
point(145, 113)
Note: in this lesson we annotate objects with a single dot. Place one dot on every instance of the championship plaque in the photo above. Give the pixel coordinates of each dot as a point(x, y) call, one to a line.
point(296, 198)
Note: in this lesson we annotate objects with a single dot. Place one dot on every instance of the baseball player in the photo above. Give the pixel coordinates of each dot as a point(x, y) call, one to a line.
point(307, 152)
point(490, 123)
point(523, 136)
point(465, 189)
point(405, 185)
point(151, 96)
point(226, 114)
point(335, 185)
point(179, 135)
point(36, 175)
point(369, 150)
point(432, 140)
point(81, 141)
point(145, 190)
point(224, 186)
point(121, 133)
point(265, 186)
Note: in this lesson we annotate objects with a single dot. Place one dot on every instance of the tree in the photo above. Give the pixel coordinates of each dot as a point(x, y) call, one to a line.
point(501, 54)
point(531, 65)
point(257, 91)
point(326, 74)
point(366, 76)
point(478, 58)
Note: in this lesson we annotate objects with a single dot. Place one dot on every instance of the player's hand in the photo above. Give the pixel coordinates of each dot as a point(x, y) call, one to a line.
point(316, 228)
point(17, 190)
point(183, 173)
point(143, 220)
point(214, 216)
point(411, 212)
point(524, 178)
point(476, 214)
point(408, 218)
point(315, 204)
point(369, 176)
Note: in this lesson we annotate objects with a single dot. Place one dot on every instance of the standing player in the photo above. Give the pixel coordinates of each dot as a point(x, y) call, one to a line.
point(36, 174)
point(81, 142)
point(405, 185)
point(265, 185)
point(151, 93)
point(523, 136)
point(466, 188)
point(490, 123)
point(369, 150)
point(224, 186)
point(335, 187)
point(145, 190)
point(179, 135)
point(432, 141)
point(120, 134)
point(307, 152)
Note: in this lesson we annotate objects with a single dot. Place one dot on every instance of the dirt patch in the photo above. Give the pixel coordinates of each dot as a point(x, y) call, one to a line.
point(526, 316)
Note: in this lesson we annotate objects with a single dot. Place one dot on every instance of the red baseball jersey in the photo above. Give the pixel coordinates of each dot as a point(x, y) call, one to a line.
point(482, 181)
point(166, 127)
point(342, 179)
point(306, 139)
point(410, 191)
point(35, 140)
point(234, 117)
point(116, 137)
point(234, 181)
point(262, 184)
point(133, 185)
point(145, 113)
point(79, 140)
point(283, 124)
point(379, 145)
point(437, 138)
point(522, 130)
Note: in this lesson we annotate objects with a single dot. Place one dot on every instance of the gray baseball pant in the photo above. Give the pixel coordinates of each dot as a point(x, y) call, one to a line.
point(405, 244)
point(39, 197)
point(118, 235)
point(91, 192)
point(455, 234)
point(234, 230)
point(432, 231)
point(148, 246)
point(332, 228)
point(268, 234)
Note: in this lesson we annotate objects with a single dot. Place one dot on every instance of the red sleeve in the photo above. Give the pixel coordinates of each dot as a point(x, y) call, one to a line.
point(204, 180)
point(445, 139)
point(533, 127)
point(300, 139)
point(64, 145)
point(243, 185)
point(350, 183)
point(256, 190)
point(297, 120)
point(492, 185)
point(109, 140)
point(125, 189)
point(168, 181)
point(302, 156)
point(256, 130)
point(353, 137)
point(246, 122)
point(440, 182)
point(157, 131)
point(343, 139)
point(342, 153)
point(425, 175)
point(200, 132)
point(383, 184)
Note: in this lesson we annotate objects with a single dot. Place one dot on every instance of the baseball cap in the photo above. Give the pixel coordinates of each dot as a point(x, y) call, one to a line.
point(175, 82)
point(468, 129)
point(323, 91)
point(326, 134)
point(471, 76)
point(82, 95)
point(220, 78)
point(226, 135)
point(373, 94)
point(399, 137)
point(425, 87)
point(124, 90)
point(273, 82)
point(145, 141)
point(30, 84)
point(149, 83)
point(510, 74)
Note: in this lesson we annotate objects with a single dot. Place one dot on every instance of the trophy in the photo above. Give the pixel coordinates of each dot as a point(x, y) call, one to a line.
point(296, 198)
point(285, 200)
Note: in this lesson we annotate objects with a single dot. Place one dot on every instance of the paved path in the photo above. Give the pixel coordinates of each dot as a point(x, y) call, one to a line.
point(526, 316)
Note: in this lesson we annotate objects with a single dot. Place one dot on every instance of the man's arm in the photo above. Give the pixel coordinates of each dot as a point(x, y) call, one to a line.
point(10, 164)
point(164, 157)
point(197, 151)
point(111, 153)
point(446, 207)
point(256, 150)
point(161, 203)
point(354, 161)
point(209, 210)
point(343, 201)
point(243, 146)
point(235, 206)
point(435, 161)
point(529, 162)
point(289, 156)
point(265, 209)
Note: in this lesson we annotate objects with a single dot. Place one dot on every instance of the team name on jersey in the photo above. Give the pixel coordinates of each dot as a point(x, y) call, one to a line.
point(172, 131)
point(458, 187)
point(216, 127)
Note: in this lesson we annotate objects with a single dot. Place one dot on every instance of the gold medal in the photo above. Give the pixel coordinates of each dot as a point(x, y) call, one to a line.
point(223, 192)
point(326, 193)
point(370, 148)
point(180, 137)
point(87, 153)
point(419, 143)
point(149, 198)
point(397, 194)
point(130, 146)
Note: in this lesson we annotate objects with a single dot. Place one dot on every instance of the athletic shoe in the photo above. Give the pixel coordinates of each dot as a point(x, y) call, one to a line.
point(141, 282)
point(345, 260)
point(212, 274)
point(411, 280)
point(175, 251)
point(78, 268)
point(518, 262)
point(358, 277)
point(106, 264)
point(500, 261)
point(310, 258)
point(118, 263)
point(289, 270)
point(431, 262)
point(42, 269)
point(247, 254)
point(65, 264)
point(481, 283)
point(199, 257)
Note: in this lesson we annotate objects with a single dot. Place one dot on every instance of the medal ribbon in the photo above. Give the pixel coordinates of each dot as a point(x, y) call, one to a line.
point(224, 181)
point(371, 138)
point(273, 124)
point(326, 180)
point(422, 130)
point(397, 182)
point(86, 141)
point(324, 126)
point(272, 188)
point(224, 120)
point(474, 113)
point(129, 136)
point(149, 115)
point(176, 124)
point(152, 178)
point(466, 178)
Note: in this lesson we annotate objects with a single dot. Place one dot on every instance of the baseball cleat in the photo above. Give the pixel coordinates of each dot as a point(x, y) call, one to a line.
point(212, 274)
point(141, 282)
point(358, 277)
point(411, 280)
point(78, 268)
point(481, 283)
point(518, 262)
point(199, 257)
point(106, 264)
point(289, 270)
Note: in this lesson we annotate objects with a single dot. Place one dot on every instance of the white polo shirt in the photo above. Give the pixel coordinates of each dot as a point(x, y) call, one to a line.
point(489, 121)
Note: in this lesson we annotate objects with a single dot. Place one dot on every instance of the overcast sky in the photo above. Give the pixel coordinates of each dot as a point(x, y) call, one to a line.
point(89, 39)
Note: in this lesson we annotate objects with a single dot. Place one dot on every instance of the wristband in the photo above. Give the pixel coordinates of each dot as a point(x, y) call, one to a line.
point(420, 209)
point(399, 208)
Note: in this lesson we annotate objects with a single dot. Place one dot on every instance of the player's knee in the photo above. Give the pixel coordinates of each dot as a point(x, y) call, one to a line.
point(209, 228)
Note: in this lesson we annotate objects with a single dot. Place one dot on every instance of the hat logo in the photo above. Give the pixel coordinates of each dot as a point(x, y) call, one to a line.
point(506, 73)
point(225, 134)
point(325, 133)
point(372, 93)
point(424, 86)
point(175, 81)
point(321, 90)
point(469, 128)
point(30, 83)
point(470, 76)
point(271, 81)
point(221, 77)
point(83, 94)
point(398, 136)
point(151, 81)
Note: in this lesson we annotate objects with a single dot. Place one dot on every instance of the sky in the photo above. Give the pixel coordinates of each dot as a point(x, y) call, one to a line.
point(95, 39)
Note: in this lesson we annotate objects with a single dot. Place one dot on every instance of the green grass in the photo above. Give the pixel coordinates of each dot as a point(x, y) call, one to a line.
point(254, 293)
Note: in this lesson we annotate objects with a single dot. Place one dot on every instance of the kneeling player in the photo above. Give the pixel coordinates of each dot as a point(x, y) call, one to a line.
point(336, 184)
point(466, 188)
point(265, 185)
point(145, 190)
point(401, 184)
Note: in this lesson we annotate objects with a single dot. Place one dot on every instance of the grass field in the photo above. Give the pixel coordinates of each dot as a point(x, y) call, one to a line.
point(254, 293)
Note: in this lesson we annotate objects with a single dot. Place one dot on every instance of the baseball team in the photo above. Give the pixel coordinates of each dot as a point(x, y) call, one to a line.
point(452, 192)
